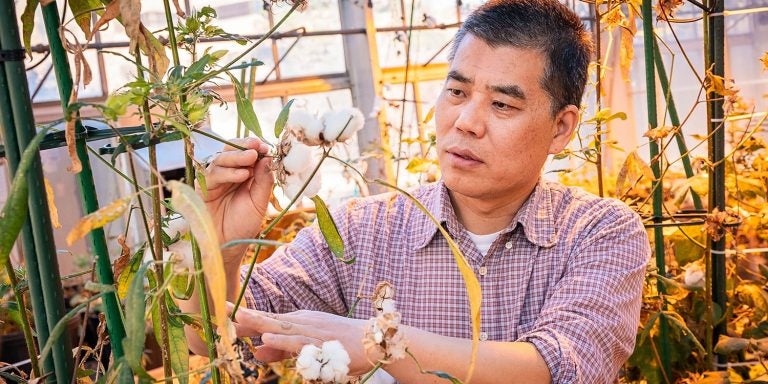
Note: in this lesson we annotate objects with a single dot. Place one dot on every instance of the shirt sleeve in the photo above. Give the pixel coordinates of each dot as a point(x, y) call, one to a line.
point(300, 275)
point(587, 327)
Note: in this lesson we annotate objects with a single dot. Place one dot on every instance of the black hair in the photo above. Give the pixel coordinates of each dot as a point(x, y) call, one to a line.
point(543, 25)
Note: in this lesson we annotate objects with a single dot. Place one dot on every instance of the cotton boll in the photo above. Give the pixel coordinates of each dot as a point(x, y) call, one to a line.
point(336, 361)
point(336, 127)
point(182, 252)
point(298, 159)
point(293, 184)
point(305, 126)
point(177, 227)
point(694, 276)
point(387, 306)
point(308, 364)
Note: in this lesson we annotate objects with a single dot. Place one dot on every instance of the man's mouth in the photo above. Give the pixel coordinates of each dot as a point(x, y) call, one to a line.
point(464, 154)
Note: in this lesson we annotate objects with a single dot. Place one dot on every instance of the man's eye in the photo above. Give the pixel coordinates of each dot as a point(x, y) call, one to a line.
point(455, 92)
point(501, 106)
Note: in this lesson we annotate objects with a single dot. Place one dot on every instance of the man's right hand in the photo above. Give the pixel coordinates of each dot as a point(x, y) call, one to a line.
point(239, 185)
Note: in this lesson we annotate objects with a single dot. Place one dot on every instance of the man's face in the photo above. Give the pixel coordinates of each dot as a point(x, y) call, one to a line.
point(494, 122)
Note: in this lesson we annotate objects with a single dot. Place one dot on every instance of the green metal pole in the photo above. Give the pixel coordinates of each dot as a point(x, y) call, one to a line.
point(675, 120)
point(85, 179)
point(39, 215)
point(27, 239)
point(650, 83)
point(714, 58)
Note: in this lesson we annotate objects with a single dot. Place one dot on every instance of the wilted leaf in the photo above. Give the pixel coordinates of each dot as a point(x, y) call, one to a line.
point(283, 118)
point(726, 345)
point(112, 11)
point(665, 9)
point(179, 10)
point(658, 133)
point(627, 47)
point(633, 167)
point(719, 85)
point(81, 9)
point(614, 17)
point(188, 203)
point(330, 231)
point(14, 212)
point(51, 204)
point(69, 135)
point(125, 276)
point(99, 218)
point(124, 258)
point(28, 24)
point(155, 51)
point(130, 16)
point(764, 60)
point(245, 109)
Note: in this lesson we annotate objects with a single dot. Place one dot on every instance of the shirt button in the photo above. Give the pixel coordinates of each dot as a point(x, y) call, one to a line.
point(508, 245)
point(483, 336)
point(483, 271)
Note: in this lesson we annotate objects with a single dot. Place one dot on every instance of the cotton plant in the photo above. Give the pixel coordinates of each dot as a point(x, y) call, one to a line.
point(383, 336)
point(328, 363)
point(299, 152)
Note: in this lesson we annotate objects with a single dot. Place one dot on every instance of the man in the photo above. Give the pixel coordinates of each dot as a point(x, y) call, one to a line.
point(561, 271)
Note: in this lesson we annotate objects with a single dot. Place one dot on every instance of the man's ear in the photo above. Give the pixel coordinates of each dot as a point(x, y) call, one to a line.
point(565, 124)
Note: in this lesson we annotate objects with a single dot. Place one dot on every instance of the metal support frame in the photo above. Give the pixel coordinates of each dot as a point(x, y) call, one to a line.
point(42, 265)
point(362, 61)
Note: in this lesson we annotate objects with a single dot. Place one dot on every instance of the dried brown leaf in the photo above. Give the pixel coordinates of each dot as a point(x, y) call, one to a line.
point(627, 47)
point(155, 51)
point(719, 85)
point(613, 18)
point(179, 10)
point(658, 133)
point(130, 15)
point(665, 9)
point(125, 256)
point(717, 223)
point(52, 204)
point(764, 60)
point(112, 11)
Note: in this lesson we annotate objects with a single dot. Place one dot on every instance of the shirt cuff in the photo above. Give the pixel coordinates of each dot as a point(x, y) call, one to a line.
point(561, 367)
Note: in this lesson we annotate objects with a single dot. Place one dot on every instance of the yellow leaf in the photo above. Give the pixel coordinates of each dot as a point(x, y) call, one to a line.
point(111, 12)
point(633, 167)
point(155, 51)
point(98, 219)
point(614, 17)
point(665, 9)
point(719, 85)
point(420, 164)
point(764, 60)
point(52, 204)
point(658, 133)
point(188, 203)
point(431, 112)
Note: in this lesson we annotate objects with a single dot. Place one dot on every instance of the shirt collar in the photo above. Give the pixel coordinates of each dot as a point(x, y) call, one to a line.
point(536, 216)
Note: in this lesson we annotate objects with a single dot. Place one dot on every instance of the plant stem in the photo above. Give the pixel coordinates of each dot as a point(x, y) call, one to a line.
point(25, 325)
point(371, 372)
point(157, 241)
point(598, 103)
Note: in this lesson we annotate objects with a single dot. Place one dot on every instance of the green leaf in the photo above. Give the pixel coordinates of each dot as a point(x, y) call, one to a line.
point(282, 118)
point(182, 285)
point(329, 230)
point(135, 308)
point(14, 212)
point(198, 66)
point(245, 109)
point(82, 8)
point(179, 350)
point(28, 23)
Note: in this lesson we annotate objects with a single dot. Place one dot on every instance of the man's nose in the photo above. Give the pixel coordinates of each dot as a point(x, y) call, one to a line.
point(472, 119)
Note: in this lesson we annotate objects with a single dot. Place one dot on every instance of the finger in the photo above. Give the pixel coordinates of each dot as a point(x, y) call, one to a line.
point(288, 343)
point(270, 355)
point(236, 159)
point(264, 181)
point(218, 176)
point(262, 322)
point(249, 143)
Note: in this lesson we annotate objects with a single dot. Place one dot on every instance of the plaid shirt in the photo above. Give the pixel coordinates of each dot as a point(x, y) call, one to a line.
point(566, 275)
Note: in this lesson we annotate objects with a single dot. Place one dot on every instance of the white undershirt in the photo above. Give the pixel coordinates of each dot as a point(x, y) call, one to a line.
point(483, 242)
